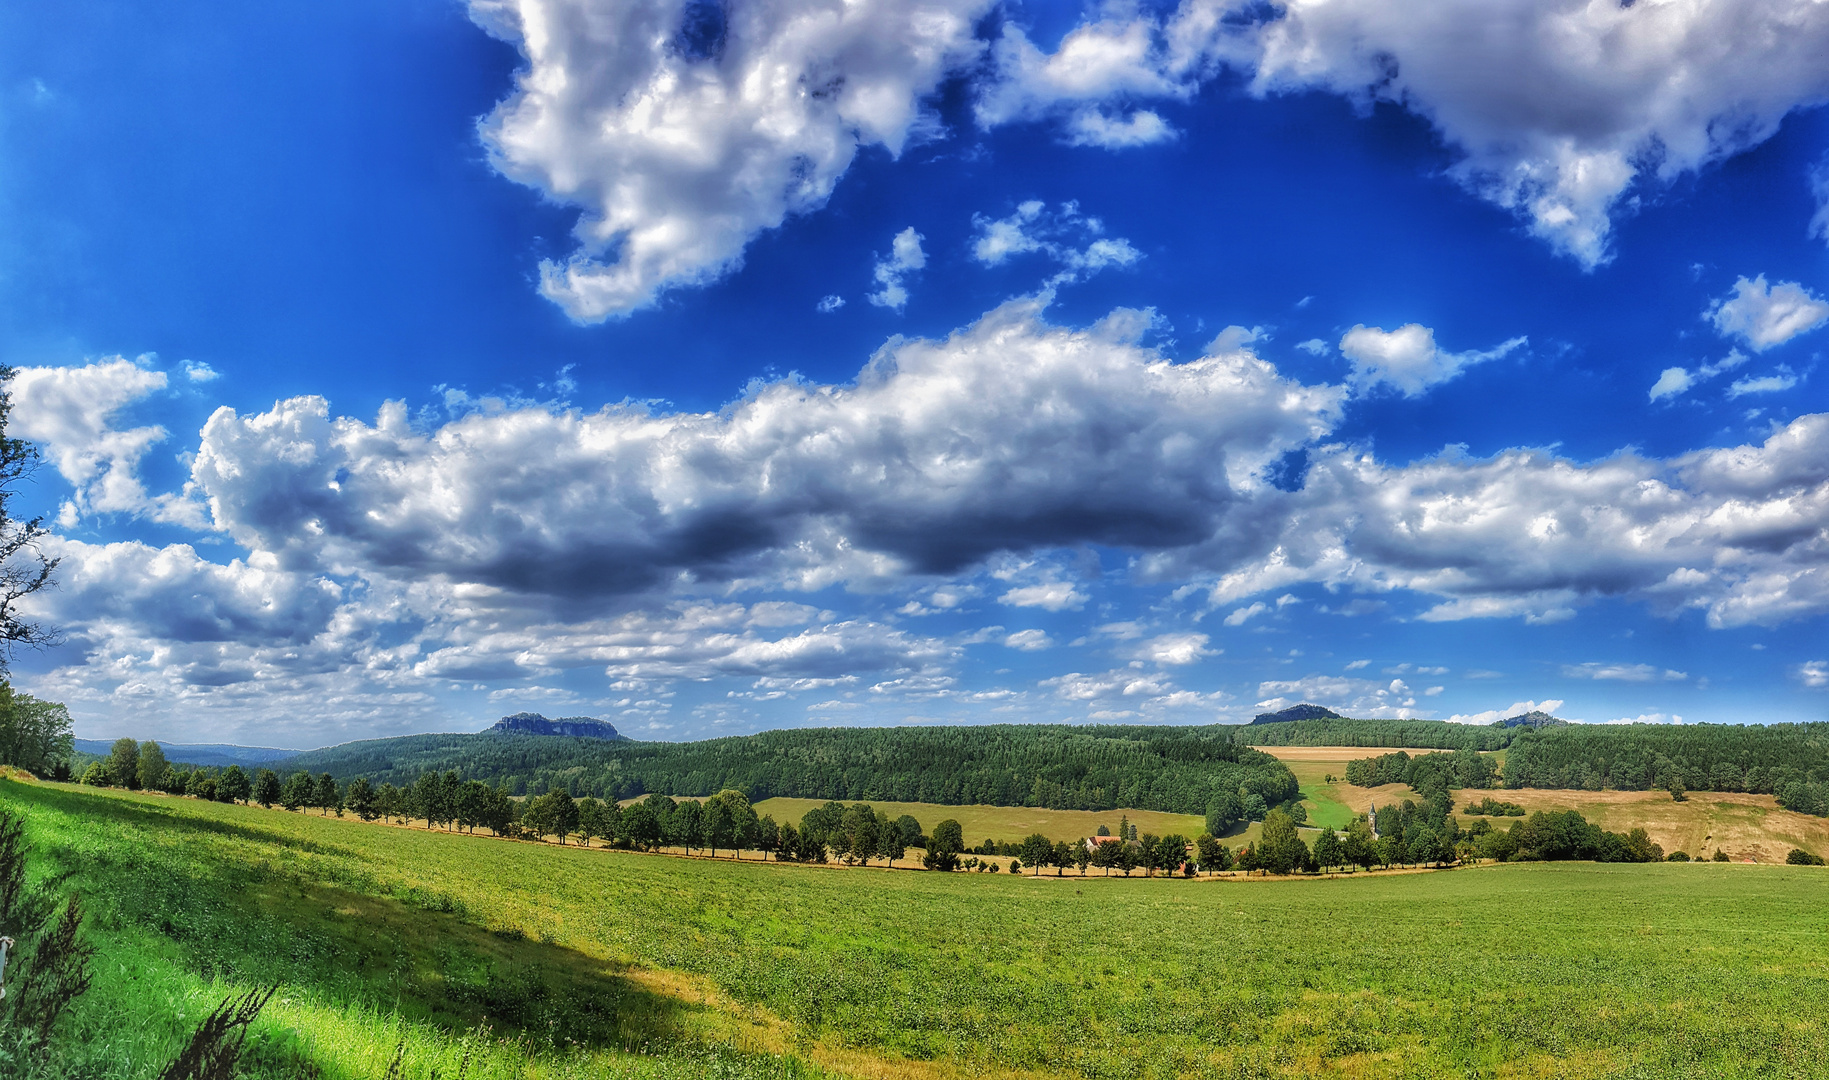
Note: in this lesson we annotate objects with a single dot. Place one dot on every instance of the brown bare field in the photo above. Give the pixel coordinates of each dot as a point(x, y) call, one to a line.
point(1750, 828)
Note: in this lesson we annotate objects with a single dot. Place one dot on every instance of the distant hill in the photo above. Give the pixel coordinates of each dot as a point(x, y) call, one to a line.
point(1065, 767)
point(216, 754)
point(1297, 712)
point(578, 727)
point(1536, 718)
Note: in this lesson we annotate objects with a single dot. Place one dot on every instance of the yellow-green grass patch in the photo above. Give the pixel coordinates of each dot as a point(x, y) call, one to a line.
point(1532, 970)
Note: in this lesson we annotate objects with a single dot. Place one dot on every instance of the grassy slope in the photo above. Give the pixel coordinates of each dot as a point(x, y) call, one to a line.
point(1548, 970)
point(1334, 803)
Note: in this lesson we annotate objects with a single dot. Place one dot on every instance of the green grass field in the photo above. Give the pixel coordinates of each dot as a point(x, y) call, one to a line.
point(543, 961)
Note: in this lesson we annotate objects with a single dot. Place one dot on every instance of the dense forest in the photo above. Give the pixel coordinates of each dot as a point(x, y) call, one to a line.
point(1790, 761)
point(1424, 772)
point(1417, 734)
point(1096, 767)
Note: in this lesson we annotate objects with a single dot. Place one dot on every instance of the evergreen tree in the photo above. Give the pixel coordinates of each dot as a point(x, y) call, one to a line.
point(361, 797)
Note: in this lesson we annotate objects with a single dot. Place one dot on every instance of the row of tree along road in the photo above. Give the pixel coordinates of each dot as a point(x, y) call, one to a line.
point(1406, 833)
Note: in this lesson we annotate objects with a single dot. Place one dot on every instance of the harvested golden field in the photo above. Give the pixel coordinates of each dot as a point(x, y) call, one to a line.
point(1747, 827)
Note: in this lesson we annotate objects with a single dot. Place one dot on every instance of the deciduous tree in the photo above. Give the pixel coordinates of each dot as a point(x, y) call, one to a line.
point(123, 761)
point(266, 787)
point(233, 785)
point(152, 766)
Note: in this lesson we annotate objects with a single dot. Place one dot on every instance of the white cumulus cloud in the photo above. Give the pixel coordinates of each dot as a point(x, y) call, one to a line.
point(1407, 358)
point(1029, 640)
point(1557, 107)
point(679, 144)
point(70, 412)
point(1764, 316)
point(905, 257)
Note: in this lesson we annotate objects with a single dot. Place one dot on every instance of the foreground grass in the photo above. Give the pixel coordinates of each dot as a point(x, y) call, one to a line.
point(1566, 970)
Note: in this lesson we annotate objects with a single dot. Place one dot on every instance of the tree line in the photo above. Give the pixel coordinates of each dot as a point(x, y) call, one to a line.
point(1462, 768)
point(1790, 761)
point(1406, 833)
point(1424, 734)
point(1094, 767)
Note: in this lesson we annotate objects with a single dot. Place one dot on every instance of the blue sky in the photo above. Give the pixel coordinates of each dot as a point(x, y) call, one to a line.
point(711, 368)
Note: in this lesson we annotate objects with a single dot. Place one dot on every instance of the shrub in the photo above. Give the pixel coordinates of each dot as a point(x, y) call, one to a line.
point(1721, 856)
point(1800, 857)
point(1677, 856)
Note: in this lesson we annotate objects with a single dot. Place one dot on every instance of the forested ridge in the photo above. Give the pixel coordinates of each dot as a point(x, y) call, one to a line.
point(1095, 767)
point(1790, 761)
point(1420, 734)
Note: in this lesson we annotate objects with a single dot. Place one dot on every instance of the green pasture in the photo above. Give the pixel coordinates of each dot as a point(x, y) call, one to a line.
point(546, 961)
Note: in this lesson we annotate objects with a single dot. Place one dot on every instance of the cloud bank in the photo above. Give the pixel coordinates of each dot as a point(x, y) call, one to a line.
point(378, 562)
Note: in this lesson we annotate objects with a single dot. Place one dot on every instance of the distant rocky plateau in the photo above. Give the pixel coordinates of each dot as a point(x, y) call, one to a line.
point(581, 727)
point(1297, 712)
point(1535, 718)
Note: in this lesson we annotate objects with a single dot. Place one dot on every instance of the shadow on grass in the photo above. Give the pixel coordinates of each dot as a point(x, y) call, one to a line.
point(167, 812)
point(225, 919)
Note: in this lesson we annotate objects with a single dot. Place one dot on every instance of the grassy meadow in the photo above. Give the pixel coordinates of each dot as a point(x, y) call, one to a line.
point(535, 960)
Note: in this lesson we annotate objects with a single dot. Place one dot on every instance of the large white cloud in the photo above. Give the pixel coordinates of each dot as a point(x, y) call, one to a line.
point(1556, 106)
point(383, 564)
point(70, 413)
point(1741, 533)
point(683, 129)
point(1010, 435)
point(681, 140)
